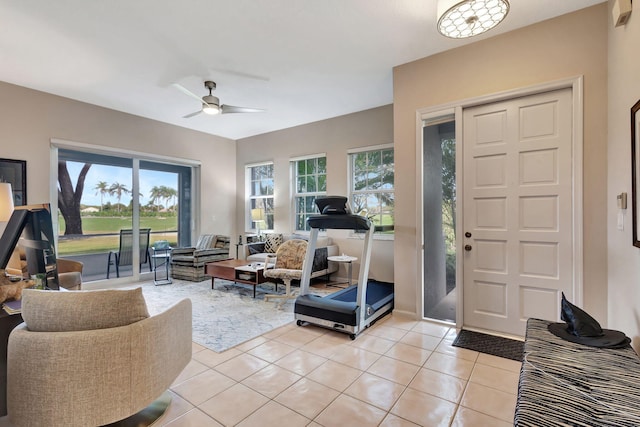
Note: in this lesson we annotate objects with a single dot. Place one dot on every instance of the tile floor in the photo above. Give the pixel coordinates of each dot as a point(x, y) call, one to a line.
point(397, 373)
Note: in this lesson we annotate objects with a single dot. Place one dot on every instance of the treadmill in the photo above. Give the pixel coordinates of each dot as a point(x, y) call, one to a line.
point(352, 309)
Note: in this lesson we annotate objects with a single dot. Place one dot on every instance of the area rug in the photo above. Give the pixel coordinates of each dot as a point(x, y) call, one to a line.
point(225, 316)
point(490, 344)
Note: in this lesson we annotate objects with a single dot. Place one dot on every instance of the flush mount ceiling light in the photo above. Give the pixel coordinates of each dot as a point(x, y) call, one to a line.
point(461, 19)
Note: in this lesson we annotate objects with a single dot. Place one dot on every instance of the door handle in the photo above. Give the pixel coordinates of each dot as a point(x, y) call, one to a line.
point(467, 248)
point(467, 234)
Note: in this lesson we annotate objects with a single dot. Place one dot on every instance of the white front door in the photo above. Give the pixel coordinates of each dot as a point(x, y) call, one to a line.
point(518, 211)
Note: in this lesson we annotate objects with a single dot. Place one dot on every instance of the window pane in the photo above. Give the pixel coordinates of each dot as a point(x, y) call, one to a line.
point(311, 184)
point(300, 222)
point(372, 185)
point(309, 204)
point(360, 181)
point(268, 187)
point(375, 159)
point(322, 165)
point(322, 183)
point(310, 181)
point(261, 189)
point(311, 166)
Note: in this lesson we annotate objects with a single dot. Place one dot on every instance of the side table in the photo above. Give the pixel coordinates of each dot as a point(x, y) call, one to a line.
point(161, 257)
point(344, 259)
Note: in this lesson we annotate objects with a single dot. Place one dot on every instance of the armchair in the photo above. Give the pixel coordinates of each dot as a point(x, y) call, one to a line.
point(70, 274)
point(289, 259)
point(90, 358)
point(69, 271)
point(188, 263)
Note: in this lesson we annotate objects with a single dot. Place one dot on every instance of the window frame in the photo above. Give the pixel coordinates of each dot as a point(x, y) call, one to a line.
point(249, 197)
point(381, 235)
point(293, 162)
point(189, 185)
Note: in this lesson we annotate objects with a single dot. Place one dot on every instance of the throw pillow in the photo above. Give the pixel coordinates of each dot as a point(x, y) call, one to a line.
point(51, 311)
point(255, 248)
point(222, 242)
point(272, 242)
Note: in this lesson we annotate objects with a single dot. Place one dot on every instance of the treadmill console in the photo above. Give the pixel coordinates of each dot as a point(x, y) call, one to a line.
point(333, 205)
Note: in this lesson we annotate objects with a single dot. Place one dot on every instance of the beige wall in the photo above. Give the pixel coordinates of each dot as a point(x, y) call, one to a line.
point(29, 119)
point(567, 46)
point(333, 137)
point(624, 259)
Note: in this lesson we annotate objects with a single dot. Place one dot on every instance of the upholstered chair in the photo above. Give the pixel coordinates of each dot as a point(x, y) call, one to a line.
point(188, 263)
point(69, 271)
point(90, 358)
point(286, 266)
point(70, 274)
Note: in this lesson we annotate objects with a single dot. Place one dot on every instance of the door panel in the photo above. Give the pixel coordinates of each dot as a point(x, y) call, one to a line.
point(518, 208)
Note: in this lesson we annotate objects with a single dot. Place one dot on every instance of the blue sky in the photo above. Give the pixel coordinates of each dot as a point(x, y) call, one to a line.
point(112, 174)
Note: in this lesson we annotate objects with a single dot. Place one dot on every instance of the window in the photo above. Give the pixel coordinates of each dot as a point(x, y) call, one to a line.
point(310, 181)
point(260, 191)
point(372, 185)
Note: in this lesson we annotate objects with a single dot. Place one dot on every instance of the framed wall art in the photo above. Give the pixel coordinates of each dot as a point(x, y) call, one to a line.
point(15, 173)
point(635, 170)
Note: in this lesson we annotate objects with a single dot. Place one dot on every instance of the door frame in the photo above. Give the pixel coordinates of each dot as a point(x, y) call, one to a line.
point(426, 113)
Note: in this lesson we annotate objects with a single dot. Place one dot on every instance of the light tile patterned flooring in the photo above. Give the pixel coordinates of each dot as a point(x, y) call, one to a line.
point(399, 372)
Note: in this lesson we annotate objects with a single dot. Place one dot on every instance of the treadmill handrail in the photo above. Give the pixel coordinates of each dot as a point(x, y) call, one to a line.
point(339, 222)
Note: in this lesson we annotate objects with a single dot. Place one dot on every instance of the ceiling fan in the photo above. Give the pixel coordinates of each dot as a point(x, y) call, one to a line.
point(211, 104)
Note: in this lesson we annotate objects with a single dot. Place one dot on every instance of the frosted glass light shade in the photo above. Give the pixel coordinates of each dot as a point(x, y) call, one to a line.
point(6, 201)
point(461, 19)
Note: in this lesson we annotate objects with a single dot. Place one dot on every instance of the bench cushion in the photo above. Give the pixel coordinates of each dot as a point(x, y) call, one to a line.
point(565, 383)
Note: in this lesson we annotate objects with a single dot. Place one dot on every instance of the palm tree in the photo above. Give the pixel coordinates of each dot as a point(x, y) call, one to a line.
point(172, 194)
point(155, 194)
point(118, 189)
point(102, 189)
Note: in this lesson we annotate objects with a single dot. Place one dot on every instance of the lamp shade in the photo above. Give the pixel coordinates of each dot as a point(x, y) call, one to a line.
point(6, 201)
point(467, 18)
point(257, 214)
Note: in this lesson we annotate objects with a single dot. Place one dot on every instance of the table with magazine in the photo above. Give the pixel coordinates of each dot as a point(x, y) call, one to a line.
point(236, 270)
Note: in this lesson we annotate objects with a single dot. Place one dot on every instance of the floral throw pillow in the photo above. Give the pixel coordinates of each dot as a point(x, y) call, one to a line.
point(272, 242)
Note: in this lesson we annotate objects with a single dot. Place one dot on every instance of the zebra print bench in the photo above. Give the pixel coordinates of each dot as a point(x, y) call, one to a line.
point(567, 384)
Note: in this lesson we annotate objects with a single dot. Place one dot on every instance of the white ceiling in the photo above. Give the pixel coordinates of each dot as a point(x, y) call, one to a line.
point(302, 60)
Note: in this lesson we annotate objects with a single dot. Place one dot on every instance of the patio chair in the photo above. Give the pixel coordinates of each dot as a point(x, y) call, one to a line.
point(124, 255)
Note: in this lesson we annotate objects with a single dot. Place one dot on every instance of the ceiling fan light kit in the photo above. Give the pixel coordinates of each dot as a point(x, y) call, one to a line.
point(461, 19)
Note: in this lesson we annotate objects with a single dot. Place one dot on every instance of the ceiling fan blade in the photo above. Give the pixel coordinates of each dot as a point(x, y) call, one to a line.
point(195, 113)
point(227, 109)
point(187, 91)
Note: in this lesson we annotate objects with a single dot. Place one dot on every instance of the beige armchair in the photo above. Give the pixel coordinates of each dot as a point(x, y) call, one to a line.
point(287, 266)
point(90, 358)
point(188, 263)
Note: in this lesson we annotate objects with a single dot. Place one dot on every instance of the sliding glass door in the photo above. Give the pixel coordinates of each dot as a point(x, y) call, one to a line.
point(112, 209)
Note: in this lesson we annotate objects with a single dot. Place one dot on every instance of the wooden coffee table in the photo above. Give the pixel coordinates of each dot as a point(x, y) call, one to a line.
point(236, 270)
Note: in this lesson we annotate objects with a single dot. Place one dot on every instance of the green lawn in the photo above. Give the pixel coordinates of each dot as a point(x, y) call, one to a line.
point(102, 225)
point(107, 225)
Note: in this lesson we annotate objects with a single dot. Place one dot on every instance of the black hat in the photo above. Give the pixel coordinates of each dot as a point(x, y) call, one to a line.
point(581, 328)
